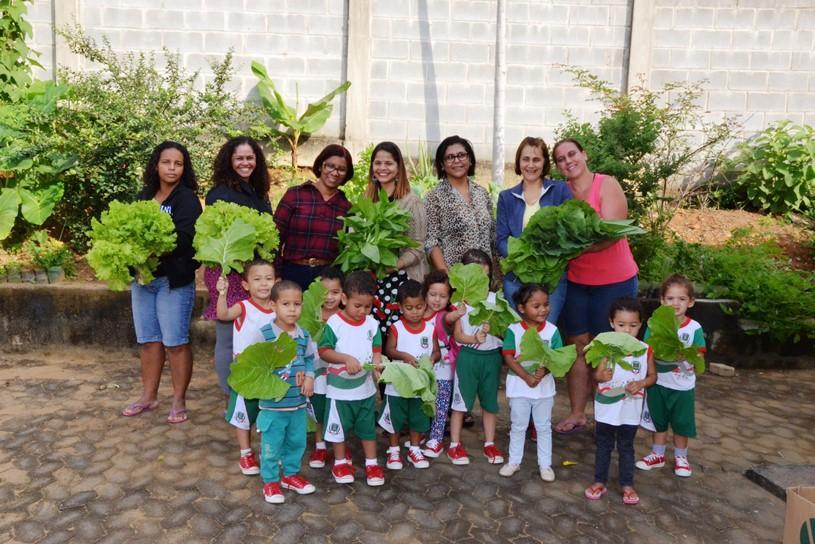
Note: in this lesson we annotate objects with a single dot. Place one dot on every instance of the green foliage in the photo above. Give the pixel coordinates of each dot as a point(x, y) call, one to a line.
point(410, 381)
point(228, 250)
point(422, 171)
point(294, 125)
point(614, 346)
point(254, 374)
point(554, 236)
point(311, 316)
point(646, 137)
point(130, 236)
point(16, 58)
point(48, 253)
point(498, 314)
point(354, 189)
point(469, 282)
point(663, 329)
point(372, 236)
point(538, 354)
point(115, 115)
point(776, 170)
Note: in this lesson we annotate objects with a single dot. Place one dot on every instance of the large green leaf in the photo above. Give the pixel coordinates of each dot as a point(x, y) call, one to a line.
point(470, 283)
point(218, 217)
point(538, 353)
point(254, 372)
point(663, 337)
point(614, 346)
point(498, 314)
point(311, 316)
point(317, 113)
point(38, 205)
point(9, 206)
point(231, 249)
point(410, 381)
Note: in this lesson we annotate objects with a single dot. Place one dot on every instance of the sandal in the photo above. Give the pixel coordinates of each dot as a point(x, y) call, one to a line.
point(138, 407)
point(569, 427)
point(177, 416)
point(595, 491)
point(630, 496)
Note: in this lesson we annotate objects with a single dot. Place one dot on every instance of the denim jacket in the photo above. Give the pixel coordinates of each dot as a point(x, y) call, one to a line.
point(511, 206)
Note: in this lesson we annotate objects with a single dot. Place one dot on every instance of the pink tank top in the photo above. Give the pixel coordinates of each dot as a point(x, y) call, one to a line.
point(611, 265)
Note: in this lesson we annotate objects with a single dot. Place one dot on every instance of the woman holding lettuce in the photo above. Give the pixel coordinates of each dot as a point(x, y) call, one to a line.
point(603, 273)
point(239, 176)
point(162, 308)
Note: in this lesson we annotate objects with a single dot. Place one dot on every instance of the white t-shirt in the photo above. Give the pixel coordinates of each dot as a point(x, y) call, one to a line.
point(516, 386)
point(612, 405)
point(246, 327)
point(416, 342)
point(679, 375)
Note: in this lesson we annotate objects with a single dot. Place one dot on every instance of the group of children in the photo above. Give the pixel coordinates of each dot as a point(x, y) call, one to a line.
point(336, 379)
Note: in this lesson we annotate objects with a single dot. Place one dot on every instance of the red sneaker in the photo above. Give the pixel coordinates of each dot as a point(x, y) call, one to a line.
point(652, 460)
point(393, 461)
point(317, 458)
point(458, 455)
point(298, 484)
point(417, 459)
point(272, 493)
point(249, 465)
point(493, 455)
point(433, 449)
point(343, 474)
point(533, 433)
point(374, 475)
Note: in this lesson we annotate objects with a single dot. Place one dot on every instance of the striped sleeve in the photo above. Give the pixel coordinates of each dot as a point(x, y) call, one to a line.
point(509, 343)
point(328, 340)
point(556, 341)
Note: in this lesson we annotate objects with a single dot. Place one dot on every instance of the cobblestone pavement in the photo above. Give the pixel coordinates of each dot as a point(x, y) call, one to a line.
point(73, 470)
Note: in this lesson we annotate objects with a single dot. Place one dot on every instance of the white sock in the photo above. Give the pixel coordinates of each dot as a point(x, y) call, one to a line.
point(246, 451)
point(489, 444)
point(371, 462)
point(319, 445)
point(415, 449)
point(340, 461)
point(393, 449)
point(453, 444)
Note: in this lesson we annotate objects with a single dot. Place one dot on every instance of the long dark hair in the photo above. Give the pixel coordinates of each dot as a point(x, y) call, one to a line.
point(224, 174)
point(402, 183)
point(152, 183)
point(442, 150)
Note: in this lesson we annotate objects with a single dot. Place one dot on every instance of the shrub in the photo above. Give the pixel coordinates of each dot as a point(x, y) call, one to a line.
point(354, 189)
point(16, 58)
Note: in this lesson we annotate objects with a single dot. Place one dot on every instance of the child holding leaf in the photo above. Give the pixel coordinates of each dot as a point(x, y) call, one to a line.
point(532, 352)
point(623, 373)
point(679, 344)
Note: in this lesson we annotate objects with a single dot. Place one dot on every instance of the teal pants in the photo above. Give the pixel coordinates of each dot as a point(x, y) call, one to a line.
point(282, 441)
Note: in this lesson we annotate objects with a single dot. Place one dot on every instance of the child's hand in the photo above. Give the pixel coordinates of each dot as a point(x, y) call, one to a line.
point(222, 285)
point(485, 327)
point(458, 313)
point(411, 360)
point(531, 380)
point(352, 366)
point(633, 387)
point(605, 375)
point(540, 373)
point(298, 379)
point(308, 386)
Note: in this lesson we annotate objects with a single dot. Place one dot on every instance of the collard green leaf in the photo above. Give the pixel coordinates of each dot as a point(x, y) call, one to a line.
point(254, 372)
point(469, 282)
point(663, 329)
point(410, 381)
point(498, 314)
point(230, 249)
point(615, 346)
point(311, 317)
point(537, 352)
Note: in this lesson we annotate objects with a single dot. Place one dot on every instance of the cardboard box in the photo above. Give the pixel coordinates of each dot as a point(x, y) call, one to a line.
point(799, 522)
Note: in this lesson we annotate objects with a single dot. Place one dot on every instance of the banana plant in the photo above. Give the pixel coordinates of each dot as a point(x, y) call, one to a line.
point(283, 115)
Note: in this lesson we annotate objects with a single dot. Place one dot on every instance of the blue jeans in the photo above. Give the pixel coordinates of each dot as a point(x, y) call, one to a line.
point(557, 298)
point(161, 314)
point(605, 437)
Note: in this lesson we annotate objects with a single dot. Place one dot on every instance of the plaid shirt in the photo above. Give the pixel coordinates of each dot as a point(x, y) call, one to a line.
point(308, 224)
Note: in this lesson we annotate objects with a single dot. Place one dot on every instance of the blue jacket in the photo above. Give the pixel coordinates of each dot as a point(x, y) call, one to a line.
point(511, 206)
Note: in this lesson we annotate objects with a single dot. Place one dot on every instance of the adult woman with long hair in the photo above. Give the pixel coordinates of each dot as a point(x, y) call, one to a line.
point(239, 176)
point(162, 308)
point(602, 274)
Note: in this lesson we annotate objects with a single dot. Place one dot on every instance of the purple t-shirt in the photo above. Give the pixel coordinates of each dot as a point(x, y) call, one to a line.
point(234, 292)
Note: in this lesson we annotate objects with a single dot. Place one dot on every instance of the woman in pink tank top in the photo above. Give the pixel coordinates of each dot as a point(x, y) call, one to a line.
point(598, 277)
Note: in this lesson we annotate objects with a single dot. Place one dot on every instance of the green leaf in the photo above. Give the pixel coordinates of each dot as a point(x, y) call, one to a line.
point(469, 282)
point(614, 346)
point(498, 314)
point(410, 381)
point(534, 350)
point(218, 217)
point(311, 316)
point(663, 329)
point(9, 206)
point(254, 373)
point(38, 205)
point(231, 249)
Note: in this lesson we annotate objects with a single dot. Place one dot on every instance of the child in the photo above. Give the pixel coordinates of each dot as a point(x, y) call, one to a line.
point(247, 317)
point(478, 370)
point(408, 339)
point(530, 393)
point(351, 339)
point(331, 278)
point(618, 405)
point(671, 400)
point(282, 423)
point(437, 296)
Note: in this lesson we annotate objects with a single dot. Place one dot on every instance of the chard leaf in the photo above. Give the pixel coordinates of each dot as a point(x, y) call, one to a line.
point(254, 372)
point(663, 329)
point(410, 381)
point(557, 361)
point(498, 314)
point(311, 317)
point(615, 346)
point(230, 249)
point(469, 282)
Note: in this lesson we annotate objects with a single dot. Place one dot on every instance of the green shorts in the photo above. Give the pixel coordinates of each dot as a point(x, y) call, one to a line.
point(343, 417)
point(477, 374)
point(669, 407)
point(318, 403)
point(399, 412)
point(241, 412)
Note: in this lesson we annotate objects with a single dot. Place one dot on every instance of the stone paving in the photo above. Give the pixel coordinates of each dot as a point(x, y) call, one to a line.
point(73, 470)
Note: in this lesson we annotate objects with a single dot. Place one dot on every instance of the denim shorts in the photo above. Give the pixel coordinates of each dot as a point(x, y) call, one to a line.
point(587, 306)
point(161, 314)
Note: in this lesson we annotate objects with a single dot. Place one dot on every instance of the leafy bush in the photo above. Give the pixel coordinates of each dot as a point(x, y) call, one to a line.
point(356, 186)
point(16, 58)
point(48, 253)
point(422, 171)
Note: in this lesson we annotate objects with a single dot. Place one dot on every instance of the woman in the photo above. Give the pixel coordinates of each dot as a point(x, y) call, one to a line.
point(388, 172)
point(309, 216)
point(162, 309)
point(458, 210)
point(517, 205)
point(239, 176)
point(603, 273)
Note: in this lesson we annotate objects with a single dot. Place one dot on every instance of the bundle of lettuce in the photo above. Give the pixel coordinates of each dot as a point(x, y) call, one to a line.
point(311, 315)
point(615, 346)
point(554, 236)
point(472, 286)
point(663, 331)
point(130, 237)
point(254, 372)
point(535, 354)
point(413, 381)
point(373, 235)
point(228, 235)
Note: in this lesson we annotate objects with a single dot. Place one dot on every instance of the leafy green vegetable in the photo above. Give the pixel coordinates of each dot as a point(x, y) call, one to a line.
point(557, 361)
point(230, 249)
point(469, 282)
point(554, 236)
point(614, 346)
point(253, 374)
point(130, 236)
point(372, 236)
point(311, 316)
point(410, 381)
point(217, 220)
point(498, 314)
point(663, 328)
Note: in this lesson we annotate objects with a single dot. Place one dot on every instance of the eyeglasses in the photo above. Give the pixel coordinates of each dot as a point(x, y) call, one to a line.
point(457, 157)
point(331, 168)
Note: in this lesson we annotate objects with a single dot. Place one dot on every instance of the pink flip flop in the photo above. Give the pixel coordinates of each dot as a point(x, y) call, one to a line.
point(595, 492)
point(630, 497)
point(177, 416)
point(137, 408)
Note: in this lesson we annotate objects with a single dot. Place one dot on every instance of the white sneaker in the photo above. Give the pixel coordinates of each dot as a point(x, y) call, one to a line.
point(417, 459)
point(394, 460)
point(547, 474)
point(509, 469)
point(682, 467)
point(650, 461)
point(432, 449)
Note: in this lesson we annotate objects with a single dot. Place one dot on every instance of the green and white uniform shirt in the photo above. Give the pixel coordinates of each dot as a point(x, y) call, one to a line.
point(359, 339)
point(492, 342)
point(246, 327)
point(416, 342)
point(516, 386)
point(612, 404)
point(679, 375)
